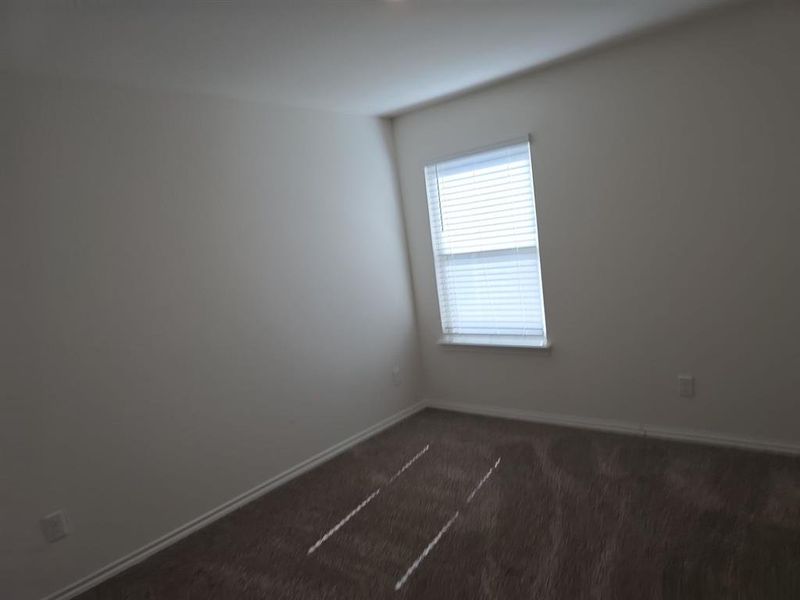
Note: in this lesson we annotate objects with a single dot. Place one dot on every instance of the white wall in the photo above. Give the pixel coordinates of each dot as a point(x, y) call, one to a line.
point(667, 173)
point(203, 294)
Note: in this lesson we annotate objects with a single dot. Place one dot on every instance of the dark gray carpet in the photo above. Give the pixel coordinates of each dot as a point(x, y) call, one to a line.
point(567, 514)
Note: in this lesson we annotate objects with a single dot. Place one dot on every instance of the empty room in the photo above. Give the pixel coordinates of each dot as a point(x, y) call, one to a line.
point(399, 299)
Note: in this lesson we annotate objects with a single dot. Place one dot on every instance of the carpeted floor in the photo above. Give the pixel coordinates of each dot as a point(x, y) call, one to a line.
point(566, 514)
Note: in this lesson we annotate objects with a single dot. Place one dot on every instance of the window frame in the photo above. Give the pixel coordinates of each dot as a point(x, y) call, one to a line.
point(498, 341)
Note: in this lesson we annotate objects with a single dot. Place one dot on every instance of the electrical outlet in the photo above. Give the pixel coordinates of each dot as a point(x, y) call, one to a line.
point(54, 526)
point(686, 386)
point(396, 379)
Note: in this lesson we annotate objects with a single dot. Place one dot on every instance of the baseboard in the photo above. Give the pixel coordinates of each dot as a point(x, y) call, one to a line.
point(181, 532)
point(683, 435)
point(701, 437)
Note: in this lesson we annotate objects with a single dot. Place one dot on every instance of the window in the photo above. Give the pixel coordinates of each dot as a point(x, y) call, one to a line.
point(486, 248)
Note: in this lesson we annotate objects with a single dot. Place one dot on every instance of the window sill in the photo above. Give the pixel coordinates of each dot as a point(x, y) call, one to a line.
point(496, 341)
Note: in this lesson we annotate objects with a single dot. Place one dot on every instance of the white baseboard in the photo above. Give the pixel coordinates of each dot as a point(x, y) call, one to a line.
point(186, 529)
point(701, 437)
point(667, 433)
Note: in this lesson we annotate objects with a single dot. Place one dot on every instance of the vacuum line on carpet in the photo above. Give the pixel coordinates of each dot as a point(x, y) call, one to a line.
point(341, 523)
point(409, 463)
point(482, 481)
point(443, 530)
point(425, 552)
point(369, 498)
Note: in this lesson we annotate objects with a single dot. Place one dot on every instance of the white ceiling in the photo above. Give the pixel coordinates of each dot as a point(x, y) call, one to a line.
point(361, 56)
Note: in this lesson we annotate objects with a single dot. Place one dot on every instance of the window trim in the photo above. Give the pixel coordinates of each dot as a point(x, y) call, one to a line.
point(486, 148)
point(514, 342)
point(489, 341)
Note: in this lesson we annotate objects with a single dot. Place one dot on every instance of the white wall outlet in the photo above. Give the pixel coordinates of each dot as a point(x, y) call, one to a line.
point(54, 526)
point(396, 379)
point(686, 385)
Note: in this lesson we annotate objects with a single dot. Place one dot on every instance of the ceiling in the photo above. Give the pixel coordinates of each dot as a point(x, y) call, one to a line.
point(359, 56)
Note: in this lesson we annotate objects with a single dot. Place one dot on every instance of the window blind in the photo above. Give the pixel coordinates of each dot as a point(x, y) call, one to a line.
point(486, 245)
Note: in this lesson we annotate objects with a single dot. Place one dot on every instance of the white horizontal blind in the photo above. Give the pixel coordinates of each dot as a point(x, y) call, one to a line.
point(485, 243)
